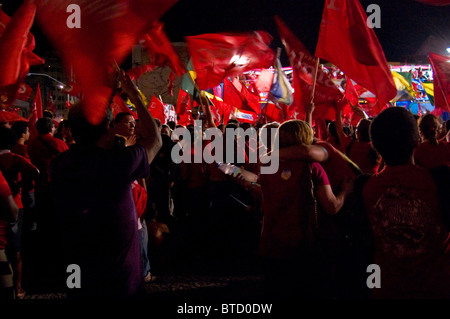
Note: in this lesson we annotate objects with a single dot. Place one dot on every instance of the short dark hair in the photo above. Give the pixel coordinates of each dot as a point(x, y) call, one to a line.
point(44, 125)
point(120, 116)
point(363, 130)
point(394, 135)
point(19, 127)
point(82, 130)
point(7, 138)
point(158, 122)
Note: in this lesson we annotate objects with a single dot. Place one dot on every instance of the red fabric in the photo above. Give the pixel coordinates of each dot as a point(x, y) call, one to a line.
point(118, 106)
point(346, 41)
point(156, 109)
point(41, 155)
point(16, 46)
point(109, 28)
point(337, 166)
point(273, 113)
point(303, 65)
point(285, 215)
point(183, 102)
point(19, 172)
point(237, 95)
point(411, 244)
point(428, 155)
point(214, 55)
point(13, 42)
point(264, 80)
point(363, 155)
point(136, 72)
point(5, 192)
point(22, 150)
point(441, 74)
point(139, 198)
point(161, 50)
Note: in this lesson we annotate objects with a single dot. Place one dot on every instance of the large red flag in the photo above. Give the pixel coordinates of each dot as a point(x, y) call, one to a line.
point(347, 41)
point(219, 55)
point(441, 80)
point(108, 29)
point(13, 42)
point(303, 66)
point(161, 50)
point(16, 46)
point(156, 109)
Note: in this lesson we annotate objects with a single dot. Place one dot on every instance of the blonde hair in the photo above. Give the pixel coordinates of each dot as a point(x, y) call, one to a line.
point(294, 132)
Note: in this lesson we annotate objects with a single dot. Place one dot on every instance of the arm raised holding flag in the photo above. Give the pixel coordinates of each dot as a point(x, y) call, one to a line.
point(147, 130)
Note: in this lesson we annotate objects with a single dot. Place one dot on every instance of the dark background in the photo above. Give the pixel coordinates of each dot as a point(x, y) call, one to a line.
point(405, 24)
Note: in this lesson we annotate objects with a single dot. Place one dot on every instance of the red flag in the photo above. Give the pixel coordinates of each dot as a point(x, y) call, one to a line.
point(118, 105)
point(136, 72)
point(273, 113)
point(441, 74)
point(219, 55)
point(161, 50)
point(346, 41)
point(13, 42)
point(16, 46)
point(303, 66)
point(108, 30)
point(156, 109)
point(183, 102)
point(24, 92)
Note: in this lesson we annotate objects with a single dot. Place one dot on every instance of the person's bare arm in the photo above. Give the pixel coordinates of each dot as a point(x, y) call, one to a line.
point(149, 136)
point(309, 112)
point(9, 209)
point(312, 153)
point(207, 110)
point(329, 202)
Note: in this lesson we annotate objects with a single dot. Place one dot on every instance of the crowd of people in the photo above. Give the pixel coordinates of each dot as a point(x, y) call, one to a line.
point(111, 199)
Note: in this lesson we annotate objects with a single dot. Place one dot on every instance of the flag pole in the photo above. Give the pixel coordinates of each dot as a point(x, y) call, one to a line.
point(316, 68)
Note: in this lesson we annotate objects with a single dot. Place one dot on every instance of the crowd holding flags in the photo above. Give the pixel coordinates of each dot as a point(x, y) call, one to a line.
point(220, 64)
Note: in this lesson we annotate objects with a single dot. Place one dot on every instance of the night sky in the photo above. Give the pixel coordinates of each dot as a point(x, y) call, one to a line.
point(405, 24)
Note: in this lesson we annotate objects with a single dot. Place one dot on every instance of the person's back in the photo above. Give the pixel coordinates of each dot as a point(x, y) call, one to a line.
point(91, 186)
point(44, 148)
point(360, 150)
point(410, 238)
point(431, 152)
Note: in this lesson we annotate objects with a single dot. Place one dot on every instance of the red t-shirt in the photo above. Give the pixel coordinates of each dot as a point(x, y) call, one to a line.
point(18, 169)
point(364, 156)
point(5, 191)
point(286, 195)
point(42, 150)
point(338, 166)
point(412, 245)
point(139, 198)
point(21, 149)
point(428, 155)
